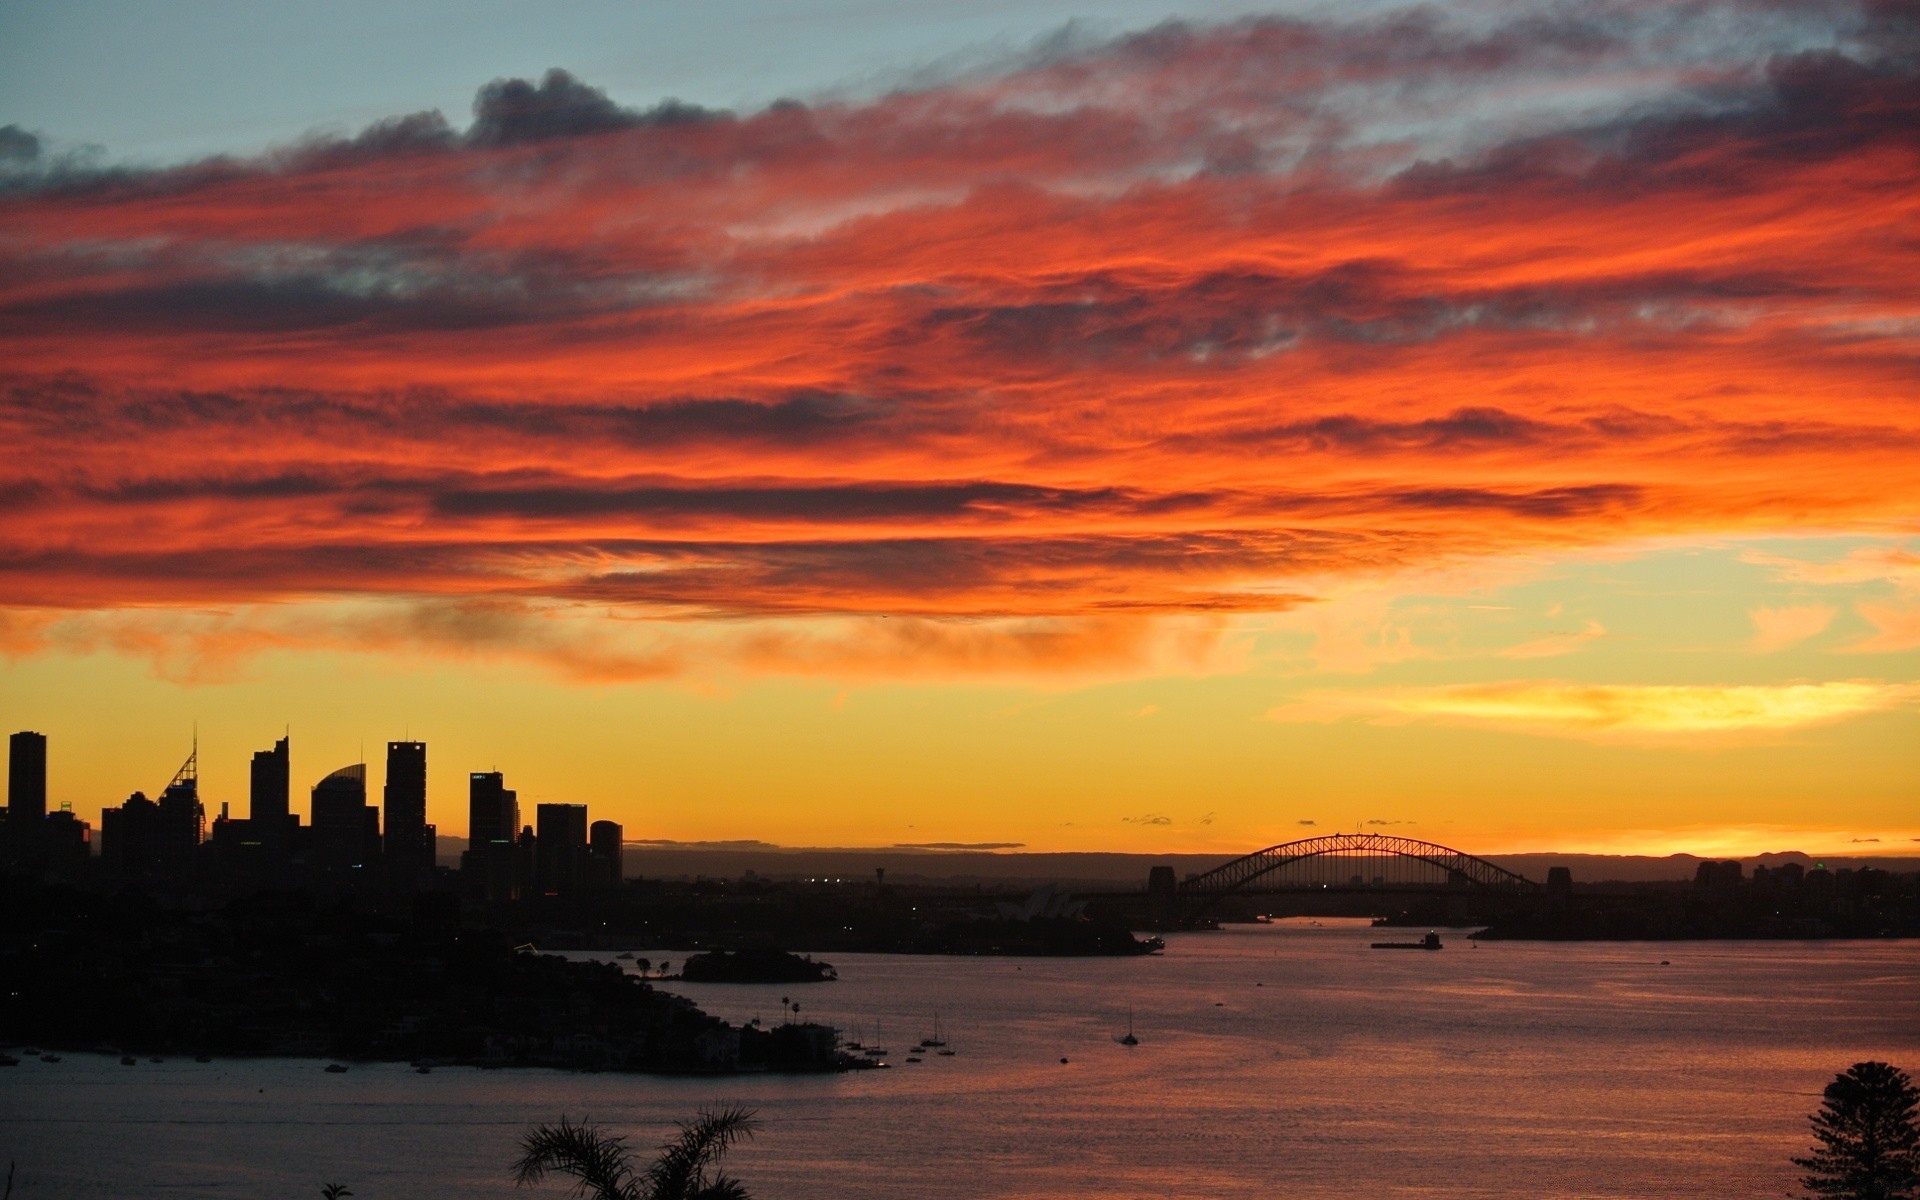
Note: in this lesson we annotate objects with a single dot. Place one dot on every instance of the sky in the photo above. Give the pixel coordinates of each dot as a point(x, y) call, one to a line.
point(1060, 426)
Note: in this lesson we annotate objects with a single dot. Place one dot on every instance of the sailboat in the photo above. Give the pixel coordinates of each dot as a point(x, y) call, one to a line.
point(1129, 1040)
point(933, 1042)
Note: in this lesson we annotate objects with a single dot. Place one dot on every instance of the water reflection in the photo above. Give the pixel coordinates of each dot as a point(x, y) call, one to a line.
point(1273, 1060)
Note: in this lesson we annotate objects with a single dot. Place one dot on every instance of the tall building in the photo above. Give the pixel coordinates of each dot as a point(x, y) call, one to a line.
point(181, 820)
point(493, 810)
point(130, 839)
point(26, 792)
point(269, 792)
point(66, 842)
point(604, 869)
point(491, 863)
point(560, 849)
point(342, 821)
point(405, 797)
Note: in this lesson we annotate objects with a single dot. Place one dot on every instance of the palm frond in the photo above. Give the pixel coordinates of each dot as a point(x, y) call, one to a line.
point(597, 1161)
point(679, 1172)
point(723, 1187)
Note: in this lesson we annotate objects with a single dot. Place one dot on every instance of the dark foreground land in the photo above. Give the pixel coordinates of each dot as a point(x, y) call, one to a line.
point(286, 974)
point(1723, 902)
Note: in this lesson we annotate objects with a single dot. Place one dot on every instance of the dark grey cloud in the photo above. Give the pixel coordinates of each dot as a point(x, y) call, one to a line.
point(71, 407)
point(18, 146)
point(1545, 503)
point(1223, 318)
point(1798, 108)
point(512, 111)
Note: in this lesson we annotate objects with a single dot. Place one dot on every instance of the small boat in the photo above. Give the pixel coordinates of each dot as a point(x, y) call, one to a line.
point(127, 1060)
point(423, 1070)
point(203, 1058)
point(336, 1069)
point(1129, 1039)
point(1429, 942)
point(49, 1058)
point(156, 1060)
point(935, 1041)
point(913, 1058)
point(627, 957)
point(876, 1051)
point(944, 1053)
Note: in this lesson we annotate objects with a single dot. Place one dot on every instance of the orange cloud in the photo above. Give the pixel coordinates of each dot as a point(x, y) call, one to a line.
point(1151, 328)
point(1897, 628)
point(580, 644)
point(1789, 625)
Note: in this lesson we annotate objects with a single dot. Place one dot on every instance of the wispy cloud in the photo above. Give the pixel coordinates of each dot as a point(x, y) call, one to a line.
point(1554, 644)
point(1893, 564)
point(1896, 628)
point(1657, 713)
point(1778, 628)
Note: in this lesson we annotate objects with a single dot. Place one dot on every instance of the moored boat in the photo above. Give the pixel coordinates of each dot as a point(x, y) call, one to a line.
point(1429, 942)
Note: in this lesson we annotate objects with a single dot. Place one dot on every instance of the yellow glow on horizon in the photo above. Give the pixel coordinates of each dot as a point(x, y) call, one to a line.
point(1615, 711)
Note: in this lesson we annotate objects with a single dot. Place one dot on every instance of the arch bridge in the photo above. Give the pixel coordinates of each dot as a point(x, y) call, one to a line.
point(1344, 862)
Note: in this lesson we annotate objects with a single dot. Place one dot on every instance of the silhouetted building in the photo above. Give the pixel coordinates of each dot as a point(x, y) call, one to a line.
point(405, 796)
point(26, 795)
point(491, 863)
point(493, 810)
point(130, 839)
point(181, 820)
point(269, 808)
point(560, 854)
point(346, 829)
point(525, 862)
point(1717, 877)
point(66, 842)
point(236, 842)
point(604, 868)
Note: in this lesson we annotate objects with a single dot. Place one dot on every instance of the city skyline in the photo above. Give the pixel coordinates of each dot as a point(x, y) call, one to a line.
point(1490, 422)
point(272, 788)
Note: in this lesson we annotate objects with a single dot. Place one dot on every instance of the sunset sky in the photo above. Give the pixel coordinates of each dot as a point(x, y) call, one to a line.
point(1077, 426)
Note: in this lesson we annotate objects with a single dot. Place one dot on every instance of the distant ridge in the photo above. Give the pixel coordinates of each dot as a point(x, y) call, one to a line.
point(1105, 871)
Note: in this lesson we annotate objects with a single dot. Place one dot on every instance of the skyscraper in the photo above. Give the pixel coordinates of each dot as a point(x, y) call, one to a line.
point(603, 855)
point(493, 810)
point(26, 792)
point(342, 819)
point(181, 822)
point(268, 801)
point(560, 849)
point(493, 815)
point(405, 796)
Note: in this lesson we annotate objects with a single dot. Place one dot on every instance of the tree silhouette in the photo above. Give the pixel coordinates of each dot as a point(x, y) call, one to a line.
point(1869, 1141)
point(603, 1170)
point(334, 1191)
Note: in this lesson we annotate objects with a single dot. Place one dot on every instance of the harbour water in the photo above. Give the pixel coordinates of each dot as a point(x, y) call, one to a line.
point(1283, 1060)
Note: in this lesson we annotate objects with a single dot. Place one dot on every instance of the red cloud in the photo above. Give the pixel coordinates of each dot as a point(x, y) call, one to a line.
point(1148, 327)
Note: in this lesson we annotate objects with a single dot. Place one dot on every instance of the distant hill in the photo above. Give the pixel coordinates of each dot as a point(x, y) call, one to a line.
point(1101, 871)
